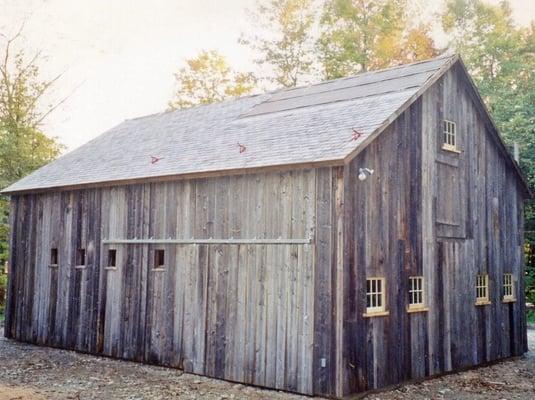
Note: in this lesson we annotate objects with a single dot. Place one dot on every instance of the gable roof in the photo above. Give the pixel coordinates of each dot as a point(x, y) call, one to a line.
point(310, 125)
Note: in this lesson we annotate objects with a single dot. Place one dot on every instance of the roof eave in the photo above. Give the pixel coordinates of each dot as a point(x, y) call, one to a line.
point(176, 177)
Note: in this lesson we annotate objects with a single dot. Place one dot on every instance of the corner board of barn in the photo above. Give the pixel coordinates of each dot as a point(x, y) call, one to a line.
point(399, 259)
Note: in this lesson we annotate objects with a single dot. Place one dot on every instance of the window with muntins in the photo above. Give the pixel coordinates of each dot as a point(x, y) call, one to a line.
point(375, 296)
point(508, 287)
point(416, 292)
point(482, 289)
point(449, 135)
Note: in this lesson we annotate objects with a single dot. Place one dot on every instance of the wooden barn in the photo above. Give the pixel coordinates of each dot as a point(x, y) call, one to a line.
point(325, 240)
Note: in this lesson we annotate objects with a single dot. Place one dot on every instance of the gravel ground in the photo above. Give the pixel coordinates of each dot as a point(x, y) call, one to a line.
point(31, 372)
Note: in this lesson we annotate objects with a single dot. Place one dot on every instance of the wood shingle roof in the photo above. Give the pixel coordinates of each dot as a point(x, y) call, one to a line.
point(316, 124)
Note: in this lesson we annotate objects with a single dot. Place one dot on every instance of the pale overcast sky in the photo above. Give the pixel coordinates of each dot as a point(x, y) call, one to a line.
point(118, 56)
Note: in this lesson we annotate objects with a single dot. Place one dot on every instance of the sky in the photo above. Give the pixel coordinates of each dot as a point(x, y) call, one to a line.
point(118, 57)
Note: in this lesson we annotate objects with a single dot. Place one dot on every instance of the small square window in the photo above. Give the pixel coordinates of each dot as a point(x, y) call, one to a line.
point(80, 257)
point(482, 289)
point(112, 258)
point(159, 259)
point(508, 288)
point(375, 297)
point(54, 256)
point(449, 133)
point(416, 292)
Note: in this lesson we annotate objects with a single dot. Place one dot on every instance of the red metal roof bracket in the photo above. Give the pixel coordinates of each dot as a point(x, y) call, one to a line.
point(154, 160)
point(356, 134)
point(242, 148)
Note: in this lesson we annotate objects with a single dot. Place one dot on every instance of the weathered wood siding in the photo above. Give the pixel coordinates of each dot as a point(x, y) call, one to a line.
point(442, 215)
point(255, 313)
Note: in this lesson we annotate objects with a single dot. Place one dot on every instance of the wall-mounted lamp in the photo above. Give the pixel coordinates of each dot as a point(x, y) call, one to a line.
point(364, 172)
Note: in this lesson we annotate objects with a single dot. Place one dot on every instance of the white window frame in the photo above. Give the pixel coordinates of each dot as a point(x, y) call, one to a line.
point(482, 289)
point(377, 294)
point(508, 288)
point(449, 136)
point(417, 298)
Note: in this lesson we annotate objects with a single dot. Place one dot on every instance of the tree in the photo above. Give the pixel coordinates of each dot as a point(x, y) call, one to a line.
point(285, 42)
point(23, 145)
point(361, 35)
point(501, 59)
point(417, 44)
point(208, 78)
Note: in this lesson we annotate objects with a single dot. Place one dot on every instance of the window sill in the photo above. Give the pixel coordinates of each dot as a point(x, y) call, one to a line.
point(513, 300)
point(417, 309)
point(483, 303)
point(158, 269)
point(451, 148)
point(80, 266)
point(53, 265)
point(376, 314)
point(110, 268)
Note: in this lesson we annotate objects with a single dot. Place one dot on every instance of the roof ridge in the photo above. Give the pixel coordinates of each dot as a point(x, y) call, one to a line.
point(283, 89)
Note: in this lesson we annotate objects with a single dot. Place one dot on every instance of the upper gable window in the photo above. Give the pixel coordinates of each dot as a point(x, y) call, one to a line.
point(449, 131)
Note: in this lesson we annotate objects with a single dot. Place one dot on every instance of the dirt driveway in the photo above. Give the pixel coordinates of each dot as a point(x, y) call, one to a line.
point(30, 372)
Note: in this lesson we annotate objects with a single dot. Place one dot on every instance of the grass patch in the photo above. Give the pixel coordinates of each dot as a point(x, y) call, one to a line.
point(530, 316)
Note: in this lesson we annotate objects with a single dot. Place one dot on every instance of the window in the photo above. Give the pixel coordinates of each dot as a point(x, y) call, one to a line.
point(508, 288)
point(450, 136)
point(159, 259)
point(80, 257)
point(416, 294)
point(482, 290)
point(54, 257)
point(375, 297)
point(112, 258)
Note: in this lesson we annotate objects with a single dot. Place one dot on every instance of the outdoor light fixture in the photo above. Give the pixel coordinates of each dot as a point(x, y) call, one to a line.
point(364, 172)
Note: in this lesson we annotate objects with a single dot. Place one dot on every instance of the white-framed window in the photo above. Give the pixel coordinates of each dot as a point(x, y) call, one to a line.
point(375, 297)
point(416, 294)
point(449, 132)
point(482, 289)
point(508, 288)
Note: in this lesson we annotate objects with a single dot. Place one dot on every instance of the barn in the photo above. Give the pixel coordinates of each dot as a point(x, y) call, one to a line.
point(325, 240)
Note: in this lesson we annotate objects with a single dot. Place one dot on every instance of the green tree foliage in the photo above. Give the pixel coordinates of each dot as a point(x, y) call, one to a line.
point(361, 35)
point(208, 78)
point(23, 146)
point(501, 59)
point(284, 39)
